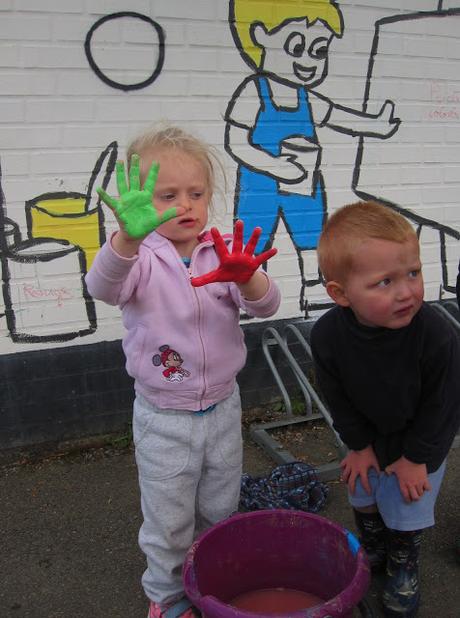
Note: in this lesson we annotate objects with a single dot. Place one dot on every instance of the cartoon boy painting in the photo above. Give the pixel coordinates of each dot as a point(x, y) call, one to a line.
point(272, 117)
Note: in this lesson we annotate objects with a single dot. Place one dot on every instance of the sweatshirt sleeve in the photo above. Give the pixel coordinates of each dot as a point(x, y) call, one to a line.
point(264, 307)
point(353, 427)
point(433, 429)
point(112, 278)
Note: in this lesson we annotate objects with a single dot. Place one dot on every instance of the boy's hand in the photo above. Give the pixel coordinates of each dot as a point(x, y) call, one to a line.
point(134, 209)
point(357, 463)
point(239, 265)
point(412, 478)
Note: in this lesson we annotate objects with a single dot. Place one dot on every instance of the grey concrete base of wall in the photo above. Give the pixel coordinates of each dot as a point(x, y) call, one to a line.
point(76, 392)
point(69, 393)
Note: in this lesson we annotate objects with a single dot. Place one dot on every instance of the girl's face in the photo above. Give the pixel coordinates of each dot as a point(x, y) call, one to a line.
point(296, 52)
point(182, 181)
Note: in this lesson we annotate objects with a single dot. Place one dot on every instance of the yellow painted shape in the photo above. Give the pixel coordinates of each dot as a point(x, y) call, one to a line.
point(66, 219)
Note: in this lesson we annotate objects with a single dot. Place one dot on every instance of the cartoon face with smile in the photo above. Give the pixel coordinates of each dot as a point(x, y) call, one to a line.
point(295, 51)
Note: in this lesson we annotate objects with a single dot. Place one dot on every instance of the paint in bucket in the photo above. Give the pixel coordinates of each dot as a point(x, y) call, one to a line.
point(276, 548)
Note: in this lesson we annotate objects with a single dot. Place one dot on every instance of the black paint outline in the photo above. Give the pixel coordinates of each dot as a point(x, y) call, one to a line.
point(12, 251)
point(110, 153)
point(418, 220)
point(161, 51)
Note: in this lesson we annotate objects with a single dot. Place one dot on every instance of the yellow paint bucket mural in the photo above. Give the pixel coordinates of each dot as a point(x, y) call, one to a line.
point(66, 218)
point(69, 216)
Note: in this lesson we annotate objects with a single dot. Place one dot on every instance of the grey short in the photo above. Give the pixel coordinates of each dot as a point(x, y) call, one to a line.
point(396, 513)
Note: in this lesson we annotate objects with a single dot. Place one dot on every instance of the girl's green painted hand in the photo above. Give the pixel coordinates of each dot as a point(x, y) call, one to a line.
point(134, 209)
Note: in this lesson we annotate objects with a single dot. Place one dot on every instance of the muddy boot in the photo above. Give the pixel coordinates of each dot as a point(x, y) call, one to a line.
point(401, 593)
point(372, 536)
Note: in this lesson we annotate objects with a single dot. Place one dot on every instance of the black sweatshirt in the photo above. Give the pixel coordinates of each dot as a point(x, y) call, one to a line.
point(398, 390)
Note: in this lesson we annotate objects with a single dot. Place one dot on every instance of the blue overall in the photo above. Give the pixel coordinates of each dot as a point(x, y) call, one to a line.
point(259, 202)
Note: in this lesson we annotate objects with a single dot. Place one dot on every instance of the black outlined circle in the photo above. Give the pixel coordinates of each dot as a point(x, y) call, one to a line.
point(161, 51)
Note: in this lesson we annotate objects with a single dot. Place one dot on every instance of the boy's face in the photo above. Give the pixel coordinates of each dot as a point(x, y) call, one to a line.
point(385, 284)
point(296, 52)
point(182, 181)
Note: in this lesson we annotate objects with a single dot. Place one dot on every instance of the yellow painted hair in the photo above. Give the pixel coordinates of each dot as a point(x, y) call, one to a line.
point(273, 13)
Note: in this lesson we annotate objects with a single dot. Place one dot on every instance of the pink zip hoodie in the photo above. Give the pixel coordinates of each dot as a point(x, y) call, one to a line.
point(183, 345)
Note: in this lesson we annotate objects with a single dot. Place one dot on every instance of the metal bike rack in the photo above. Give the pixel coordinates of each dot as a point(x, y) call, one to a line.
point(272, 338)
point(443, 309)
point(448, 309)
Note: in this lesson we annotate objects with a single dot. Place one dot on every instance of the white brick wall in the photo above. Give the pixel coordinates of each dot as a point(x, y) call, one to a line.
point(56, 116)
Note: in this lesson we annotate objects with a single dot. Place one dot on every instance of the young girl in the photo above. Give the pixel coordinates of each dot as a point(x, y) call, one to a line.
point(183, 346)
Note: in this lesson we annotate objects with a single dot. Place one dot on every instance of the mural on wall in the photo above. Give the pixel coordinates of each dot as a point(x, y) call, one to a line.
point(272, 117)
point(438, 106)
point(65, 230)
point(273, 131)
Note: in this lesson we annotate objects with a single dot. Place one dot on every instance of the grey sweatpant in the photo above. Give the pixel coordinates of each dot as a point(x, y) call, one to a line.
point(189, 470)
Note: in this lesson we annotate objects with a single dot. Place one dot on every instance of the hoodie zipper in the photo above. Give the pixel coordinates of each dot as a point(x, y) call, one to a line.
point(200, 315)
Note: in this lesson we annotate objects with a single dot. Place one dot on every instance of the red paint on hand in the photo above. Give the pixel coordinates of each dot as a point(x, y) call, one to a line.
point(239, 265)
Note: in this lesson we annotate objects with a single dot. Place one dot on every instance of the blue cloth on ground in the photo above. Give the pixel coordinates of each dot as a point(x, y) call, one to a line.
point(292, 485)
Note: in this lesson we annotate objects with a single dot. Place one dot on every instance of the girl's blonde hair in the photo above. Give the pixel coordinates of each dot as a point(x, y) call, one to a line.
point(174, 137)
point(351, 225)
point(272, 13)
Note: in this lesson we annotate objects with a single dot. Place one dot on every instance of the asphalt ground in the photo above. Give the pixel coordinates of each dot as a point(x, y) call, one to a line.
point(69, 526)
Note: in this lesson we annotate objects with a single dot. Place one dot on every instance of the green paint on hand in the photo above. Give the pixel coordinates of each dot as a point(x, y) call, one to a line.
point(134, 209)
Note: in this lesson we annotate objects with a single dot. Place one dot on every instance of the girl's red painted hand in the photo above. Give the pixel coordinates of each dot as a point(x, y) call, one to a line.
point(239, 265)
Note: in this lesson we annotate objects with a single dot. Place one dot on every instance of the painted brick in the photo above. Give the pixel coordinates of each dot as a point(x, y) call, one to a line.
point(108, 7)
point(12, 110)
point(53, 56)
point(25, 28)
point(59, 110)
point(26, 82)
point(28, 137)
point(59, 162)
point(48, 6)
point(200, 9)
point(203, 35)
point(69, 27)
point(10, 55)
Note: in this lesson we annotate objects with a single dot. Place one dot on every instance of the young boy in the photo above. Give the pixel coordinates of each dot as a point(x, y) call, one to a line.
point(388, 366)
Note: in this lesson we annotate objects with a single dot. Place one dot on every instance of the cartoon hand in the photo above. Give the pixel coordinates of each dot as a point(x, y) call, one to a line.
point(134, 209)
point(237, 266)
point(289, 170)
point(386, 117)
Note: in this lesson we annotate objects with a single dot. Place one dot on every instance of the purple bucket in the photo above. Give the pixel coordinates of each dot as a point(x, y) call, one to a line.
point(276, 549)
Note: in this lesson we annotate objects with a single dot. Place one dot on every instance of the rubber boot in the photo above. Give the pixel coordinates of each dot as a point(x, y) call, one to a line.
point(372, 536)
point(401, 592)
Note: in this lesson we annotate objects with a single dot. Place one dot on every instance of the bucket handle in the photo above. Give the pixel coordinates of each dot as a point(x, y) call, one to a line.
point(110, 153)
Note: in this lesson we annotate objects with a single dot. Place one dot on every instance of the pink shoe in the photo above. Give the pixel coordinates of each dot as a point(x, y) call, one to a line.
point(180, 609)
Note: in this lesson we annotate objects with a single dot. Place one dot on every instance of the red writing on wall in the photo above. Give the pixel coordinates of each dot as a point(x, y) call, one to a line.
point(444, 113)
point(447, 96)
point(60, 294)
